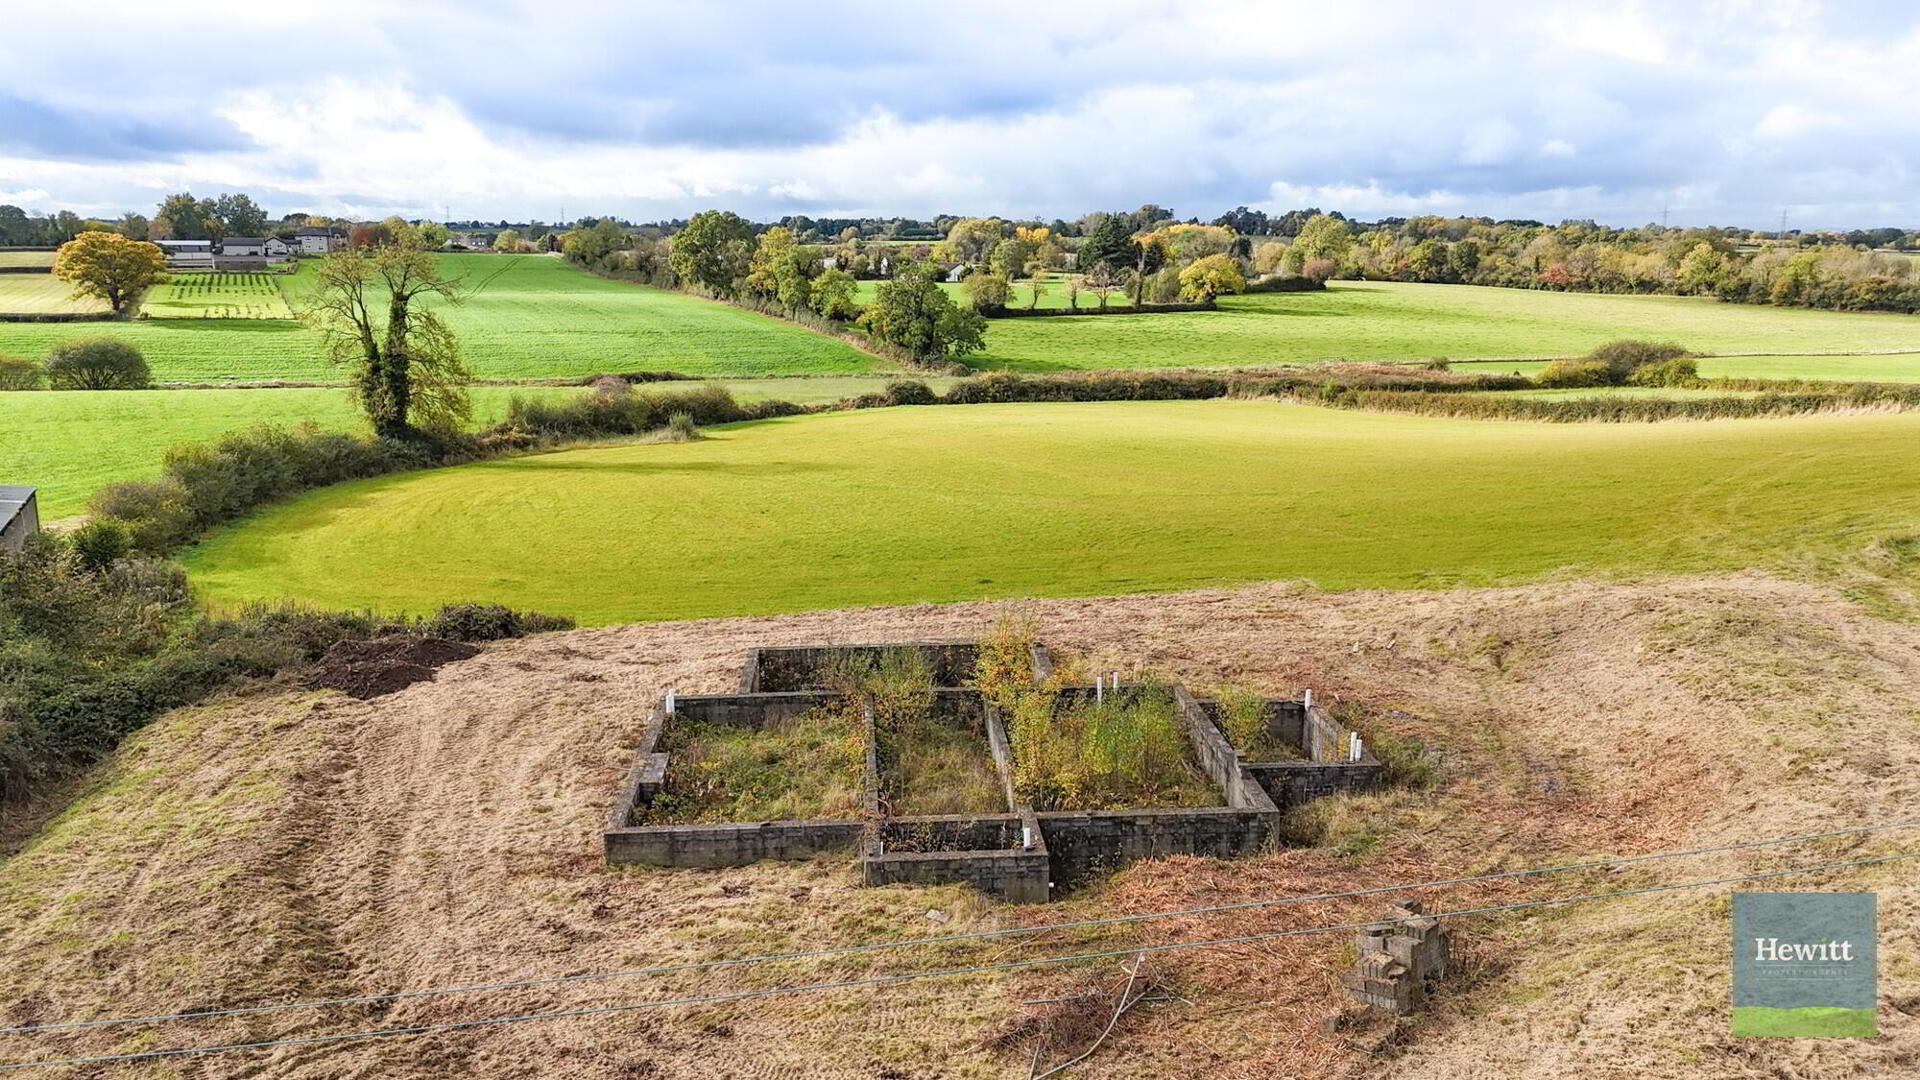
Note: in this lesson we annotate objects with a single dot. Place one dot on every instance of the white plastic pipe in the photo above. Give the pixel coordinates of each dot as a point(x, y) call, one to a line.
point(670, 696)
point(1356, 751)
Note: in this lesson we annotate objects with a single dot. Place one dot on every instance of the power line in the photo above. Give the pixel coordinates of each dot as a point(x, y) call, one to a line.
point(884, 980)
point(947, 939)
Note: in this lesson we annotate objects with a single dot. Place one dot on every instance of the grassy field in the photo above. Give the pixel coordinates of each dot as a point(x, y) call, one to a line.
point(26, 258)
point(1396, 321)
point(527, 316)
point(43, 294)
point(1055, 295)
point(217, 294)
point(71, 443)
point(1891, 367)
point(904, 505)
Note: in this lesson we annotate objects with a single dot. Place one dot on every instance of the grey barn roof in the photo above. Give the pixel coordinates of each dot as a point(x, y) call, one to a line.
point(12, 498)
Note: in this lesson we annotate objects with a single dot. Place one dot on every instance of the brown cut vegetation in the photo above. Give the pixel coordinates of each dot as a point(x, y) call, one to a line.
point(311, 845)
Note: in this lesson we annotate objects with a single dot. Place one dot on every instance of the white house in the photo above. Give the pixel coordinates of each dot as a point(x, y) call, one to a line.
point(279, 249)
point(188, 254)
point(320, 239)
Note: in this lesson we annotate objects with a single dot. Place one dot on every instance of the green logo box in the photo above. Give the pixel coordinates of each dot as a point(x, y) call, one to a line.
point(1806, 965)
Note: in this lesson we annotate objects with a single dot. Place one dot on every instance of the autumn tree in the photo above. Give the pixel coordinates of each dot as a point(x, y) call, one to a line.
point(109, 266)
point(782, 270)
point(508, 241)
point(834, 294)
point(915, 314)
point(989, 292)
point(405, 366)
point(1210, 276)
point(713, 251)
point(1323, 237)
point(238, 215)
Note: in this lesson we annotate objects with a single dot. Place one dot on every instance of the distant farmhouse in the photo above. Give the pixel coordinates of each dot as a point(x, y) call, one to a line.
point(188, 254)
point(320, 239)
point(19, 516)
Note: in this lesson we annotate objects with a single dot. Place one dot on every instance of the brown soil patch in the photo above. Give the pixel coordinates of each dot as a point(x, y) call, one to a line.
point(311, 845)
point(370, 669)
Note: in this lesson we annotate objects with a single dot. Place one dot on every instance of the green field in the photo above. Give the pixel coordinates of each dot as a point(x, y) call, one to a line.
point(1376, 320)
point(528, 316)
point(217, 294)
point(1891, 367)
point(26, 258)
point(1811, 1022)
point(905, 505)
point(43, 294)
point(71, 443)
point(1054, 298)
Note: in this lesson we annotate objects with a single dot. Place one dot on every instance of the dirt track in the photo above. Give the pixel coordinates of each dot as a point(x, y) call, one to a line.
point(307, 845)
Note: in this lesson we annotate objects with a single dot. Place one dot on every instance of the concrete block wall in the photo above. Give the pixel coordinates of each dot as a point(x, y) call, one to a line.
point(1084, 844)
point(717, 844)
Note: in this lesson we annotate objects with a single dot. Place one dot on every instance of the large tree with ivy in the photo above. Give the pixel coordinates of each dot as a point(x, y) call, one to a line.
point(913, 313)
point(375, 308)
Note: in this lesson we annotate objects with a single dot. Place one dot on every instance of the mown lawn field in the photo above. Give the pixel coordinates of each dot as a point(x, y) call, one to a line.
point(44, 294)
point(218, 294)
point(72, 443)
point(526, 316)
point(1374, 320)
point(935, 504)
point(26, 258)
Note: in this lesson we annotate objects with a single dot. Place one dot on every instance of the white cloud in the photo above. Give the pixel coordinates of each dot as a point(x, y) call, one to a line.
point(517, 108)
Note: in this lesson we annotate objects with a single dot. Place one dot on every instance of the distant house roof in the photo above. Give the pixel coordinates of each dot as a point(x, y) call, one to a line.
point(182, 243)
point(244, 240)
point(319, 230)
point(12, 498)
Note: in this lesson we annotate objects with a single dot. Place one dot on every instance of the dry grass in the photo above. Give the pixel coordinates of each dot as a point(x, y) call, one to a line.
point(309, 845)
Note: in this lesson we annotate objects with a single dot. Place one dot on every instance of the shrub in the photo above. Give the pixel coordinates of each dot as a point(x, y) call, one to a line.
point(100, 543)
point(490, 622)
point(1625, 355)
point(97, 363)
point(910, 392)
point(1679, 371)
point(20, 373)
point(681, 428)
point(154, 513)
point(1319, 269)
point(1568, 374)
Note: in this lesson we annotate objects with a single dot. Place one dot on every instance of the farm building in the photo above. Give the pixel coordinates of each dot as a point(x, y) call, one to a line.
point(19, 516)
point(188, 254)
point(251, 252)
point(319, 239)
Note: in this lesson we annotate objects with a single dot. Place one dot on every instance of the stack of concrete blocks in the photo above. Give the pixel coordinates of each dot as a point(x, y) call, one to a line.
point(1399, 962)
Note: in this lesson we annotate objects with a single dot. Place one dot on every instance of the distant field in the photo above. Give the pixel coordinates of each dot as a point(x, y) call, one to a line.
point(43, 294)
point(71, 443)
point(1055, 295)
point(26, 258)
point(1396, 321)
point(905, 505)
point(217, 294)
point(1893, 367)
point(528, 316)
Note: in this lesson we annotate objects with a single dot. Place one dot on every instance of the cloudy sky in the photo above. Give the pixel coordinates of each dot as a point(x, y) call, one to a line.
point(1723, 111)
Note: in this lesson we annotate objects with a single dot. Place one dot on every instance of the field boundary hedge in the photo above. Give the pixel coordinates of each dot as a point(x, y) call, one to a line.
point(26, 269)
point(64, 316)
point(1614, 408)
point(1129, 309)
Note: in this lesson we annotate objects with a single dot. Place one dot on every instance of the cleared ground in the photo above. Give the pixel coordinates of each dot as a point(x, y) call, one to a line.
point(944, 503)
point(44, 294)
point(526, 316)
point(300, 846)
point(72, 443)
point(217, 294)
point(1394, 321)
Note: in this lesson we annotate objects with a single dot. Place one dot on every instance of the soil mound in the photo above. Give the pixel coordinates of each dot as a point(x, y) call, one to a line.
point(369, 669)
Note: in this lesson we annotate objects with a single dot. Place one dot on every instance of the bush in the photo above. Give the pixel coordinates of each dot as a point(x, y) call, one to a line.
point(100, 543)
point(98, 363)
point(20, 373)
point(490, 622)
point(1568, 374)
point(1679, 371)
point(154, 513)
point(910, 392)
point(1624, 356)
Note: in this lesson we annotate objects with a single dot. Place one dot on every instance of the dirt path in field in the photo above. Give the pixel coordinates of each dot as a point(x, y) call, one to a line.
point(309, 845)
